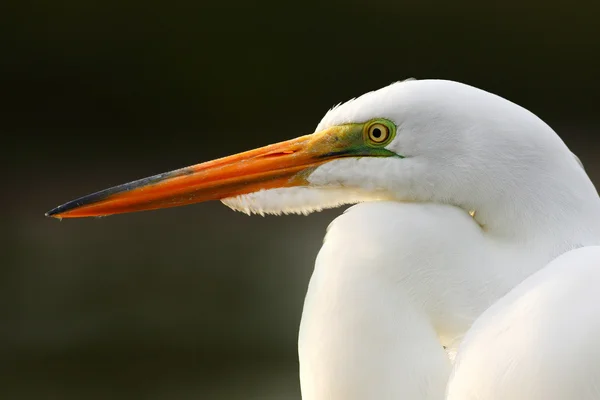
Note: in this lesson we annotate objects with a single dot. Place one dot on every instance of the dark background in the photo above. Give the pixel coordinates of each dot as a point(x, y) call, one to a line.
point(200, 302)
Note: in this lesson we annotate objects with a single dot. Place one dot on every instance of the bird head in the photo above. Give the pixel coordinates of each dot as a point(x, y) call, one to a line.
point(427, 140)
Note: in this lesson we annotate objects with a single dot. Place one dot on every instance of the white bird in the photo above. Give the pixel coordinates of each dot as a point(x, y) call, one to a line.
point(463, 196)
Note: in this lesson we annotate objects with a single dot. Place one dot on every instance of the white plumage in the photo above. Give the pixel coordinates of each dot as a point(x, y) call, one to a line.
point(399, 278)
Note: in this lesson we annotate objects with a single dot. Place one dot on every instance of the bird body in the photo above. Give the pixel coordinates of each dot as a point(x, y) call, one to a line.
point(464, 195)
point(540, 341)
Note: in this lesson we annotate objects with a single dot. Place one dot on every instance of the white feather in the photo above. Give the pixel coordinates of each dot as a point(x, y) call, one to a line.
point(297, 200)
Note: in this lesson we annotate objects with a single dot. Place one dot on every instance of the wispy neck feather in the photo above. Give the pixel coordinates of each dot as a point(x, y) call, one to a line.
point(299, 200)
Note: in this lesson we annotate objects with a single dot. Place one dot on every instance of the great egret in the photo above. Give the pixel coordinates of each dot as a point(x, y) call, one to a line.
point(463, 195)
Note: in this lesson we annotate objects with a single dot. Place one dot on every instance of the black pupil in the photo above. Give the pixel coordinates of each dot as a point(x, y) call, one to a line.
point(377, 133)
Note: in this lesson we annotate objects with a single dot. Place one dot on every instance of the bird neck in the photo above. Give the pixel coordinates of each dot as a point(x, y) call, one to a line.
point(561, 209)
point(362, 335)
point(551, 199)
point(362, 340)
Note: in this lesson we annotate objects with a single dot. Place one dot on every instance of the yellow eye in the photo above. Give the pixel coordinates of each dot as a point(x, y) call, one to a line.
point(378, 133)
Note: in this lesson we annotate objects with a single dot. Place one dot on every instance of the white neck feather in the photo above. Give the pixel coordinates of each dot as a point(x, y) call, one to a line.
point(362, 336)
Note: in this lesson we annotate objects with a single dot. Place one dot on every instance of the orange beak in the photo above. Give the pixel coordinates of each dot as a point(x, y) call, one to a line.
point(284, 164)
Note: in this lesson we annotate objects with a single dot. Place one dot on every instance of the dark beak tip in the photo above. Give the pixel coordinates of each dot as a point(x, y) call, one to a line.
point(52, 213)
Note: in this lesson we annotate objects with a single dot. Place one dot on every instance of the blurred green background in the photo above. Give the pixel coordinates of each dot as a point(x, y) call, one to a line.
point(200, 302)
